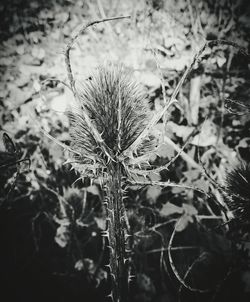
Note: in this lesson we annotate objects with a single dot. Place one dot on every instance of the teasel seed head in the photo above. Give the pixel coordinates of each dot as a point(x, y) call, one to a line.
point(117, 109)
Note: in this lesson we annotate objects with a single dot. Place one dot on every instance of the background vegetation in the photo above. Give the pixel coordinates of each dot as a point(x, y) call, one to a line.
point(43, 257)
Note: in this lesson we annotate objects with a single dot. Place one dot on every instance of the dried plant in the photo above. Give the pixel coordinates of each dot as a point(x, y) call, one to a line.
point(111, 140)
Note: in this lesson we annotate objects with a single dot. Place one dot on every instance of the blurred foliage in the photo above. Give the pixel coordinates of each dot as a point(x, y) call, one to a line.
point(50, 221)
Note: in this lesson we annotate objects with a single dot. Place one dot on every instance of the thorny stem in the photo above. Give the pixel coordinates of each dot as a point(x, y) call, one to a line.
point(116, 222)
point(180, 152)
point(165, 184)
point(129, 151)
point(116, 228)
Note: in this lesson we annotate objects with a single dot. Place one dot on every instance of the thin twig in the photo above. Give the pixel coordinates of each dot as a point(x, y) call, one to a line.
point(189, 270)
point(171, 262)
point(176, 248)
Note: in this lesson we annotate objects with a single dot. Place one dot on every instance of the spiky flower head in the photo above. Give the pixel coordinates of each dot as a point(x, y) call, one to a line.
point(238, 190)
point(117, 109)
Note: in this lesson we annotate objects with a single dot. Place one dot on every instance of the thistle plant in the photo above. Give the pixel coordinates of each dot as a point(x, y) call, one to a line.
point(111, 140)
point(117, 109)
